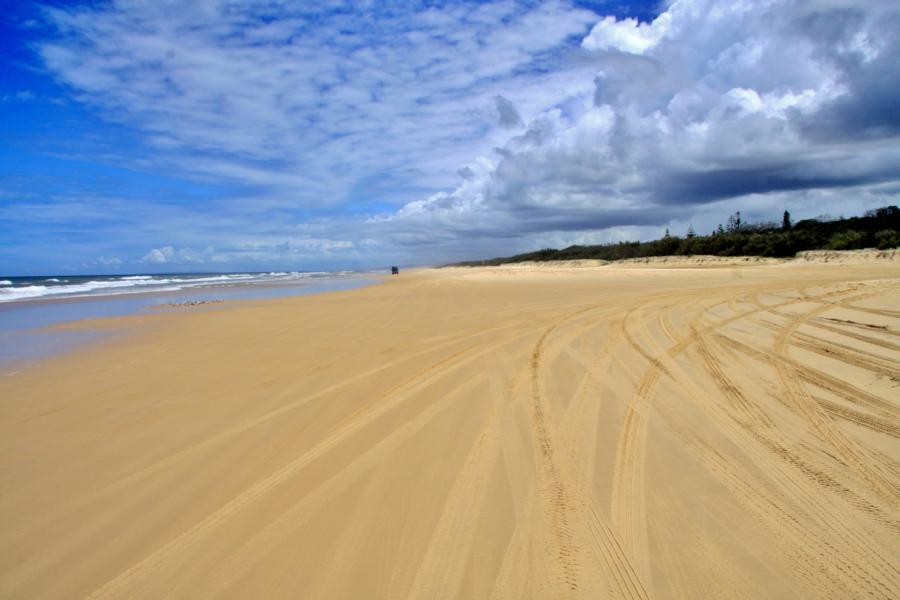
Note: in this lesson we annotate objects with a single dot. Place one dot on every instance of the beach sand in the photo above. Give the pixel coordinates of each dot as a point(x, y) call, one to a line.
point(531, 432)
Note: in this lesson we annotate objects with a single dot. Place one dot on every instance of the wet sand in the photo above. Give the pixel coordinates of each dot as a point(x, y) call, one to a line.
point(534, 432)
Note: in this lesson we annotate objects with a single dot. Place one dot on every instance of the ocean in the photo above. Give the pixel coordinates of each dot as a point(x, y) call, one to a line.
point(31, 306)
point(74, 286)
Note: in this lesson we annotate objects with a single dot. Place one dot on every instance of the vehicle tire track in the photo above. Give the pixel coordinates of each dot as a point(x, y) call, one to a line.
point(607, 548)
point(564, 499)
point(349, 426)
point(883, 572)
point(434, 572)
point(860, 418)
point(857, 358)
point(821, 564)
point(853, 335)
point(816, 377)
point(803, 403)
point(555, 497)
point(766, 434)
point(628, 471)
point(883, 580)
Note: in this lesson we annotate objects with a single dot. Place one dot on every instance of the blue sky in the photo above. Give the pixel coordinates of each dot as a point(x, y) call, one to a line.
point(154, 136)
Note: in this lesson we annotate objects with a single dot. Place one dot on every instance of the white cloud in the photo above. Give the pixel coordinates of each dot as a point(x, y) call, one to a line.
point(323, 99)
point(184, 255)
point(104, 261)
point(627, 35)
point(249, 249)
point(20, 96)
point(159, 255)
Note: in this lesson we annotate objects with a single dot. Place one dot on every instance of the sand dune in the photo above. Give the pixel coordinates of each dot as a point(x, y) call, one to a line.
point(474, 433)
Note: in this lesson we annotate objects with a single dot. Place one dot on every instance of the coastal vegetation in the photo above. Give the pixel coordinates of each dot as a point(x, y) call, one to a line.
point(878, 228)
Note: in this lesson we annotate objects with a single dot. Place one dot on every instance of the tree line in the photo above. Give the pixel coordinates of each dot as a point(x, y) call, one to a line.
point(879, 228)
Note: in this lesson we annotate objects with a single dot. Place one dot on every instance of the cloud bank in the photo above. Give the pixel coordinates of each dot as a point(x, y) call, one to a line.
point(712, 101)
point(431, 133)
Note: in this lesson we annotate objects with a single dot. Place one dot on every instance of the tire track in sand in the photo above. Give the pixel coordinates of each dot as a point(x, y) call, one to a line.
point(556, 499)
point(859, 562)
point(151, 564)
point(442, 563)
point(628, 477)
point(806, 406)
point(624, 582)
point(568, 507)
point(627, 507)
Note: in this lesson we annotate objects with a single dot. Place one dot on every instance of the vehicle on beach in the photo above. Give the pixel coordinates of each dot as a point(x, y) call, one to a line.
point(395, 271)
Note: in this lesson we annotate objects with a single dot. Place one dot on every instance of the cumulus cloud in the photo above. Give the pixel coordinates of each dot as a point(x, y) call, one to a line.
point(185, 255)
point(627, 35)
point(159, 255)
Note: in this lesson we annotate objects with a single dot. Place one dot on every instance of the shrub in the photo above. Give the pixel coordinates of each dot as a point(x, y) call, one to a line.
point(887, 238)
point(758, 245)
point(847, 240)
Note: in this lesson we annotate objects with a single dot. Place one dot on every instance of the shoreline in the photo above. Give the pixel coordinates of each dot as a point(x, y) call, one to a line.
point(35, 329)
point(561, 424)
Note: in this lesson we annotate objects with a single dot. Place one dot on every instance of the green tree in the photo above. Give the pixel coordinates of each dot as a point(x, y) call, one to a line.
point(786, 221)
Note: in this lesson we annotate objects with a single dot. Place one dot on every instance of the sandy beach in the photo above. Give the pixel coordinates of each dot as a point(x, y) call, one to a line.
point(617, 431)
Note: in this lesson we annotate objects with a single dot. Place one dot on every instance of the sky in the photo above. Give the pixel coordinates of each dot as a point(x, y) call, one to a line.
point(228, 135)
